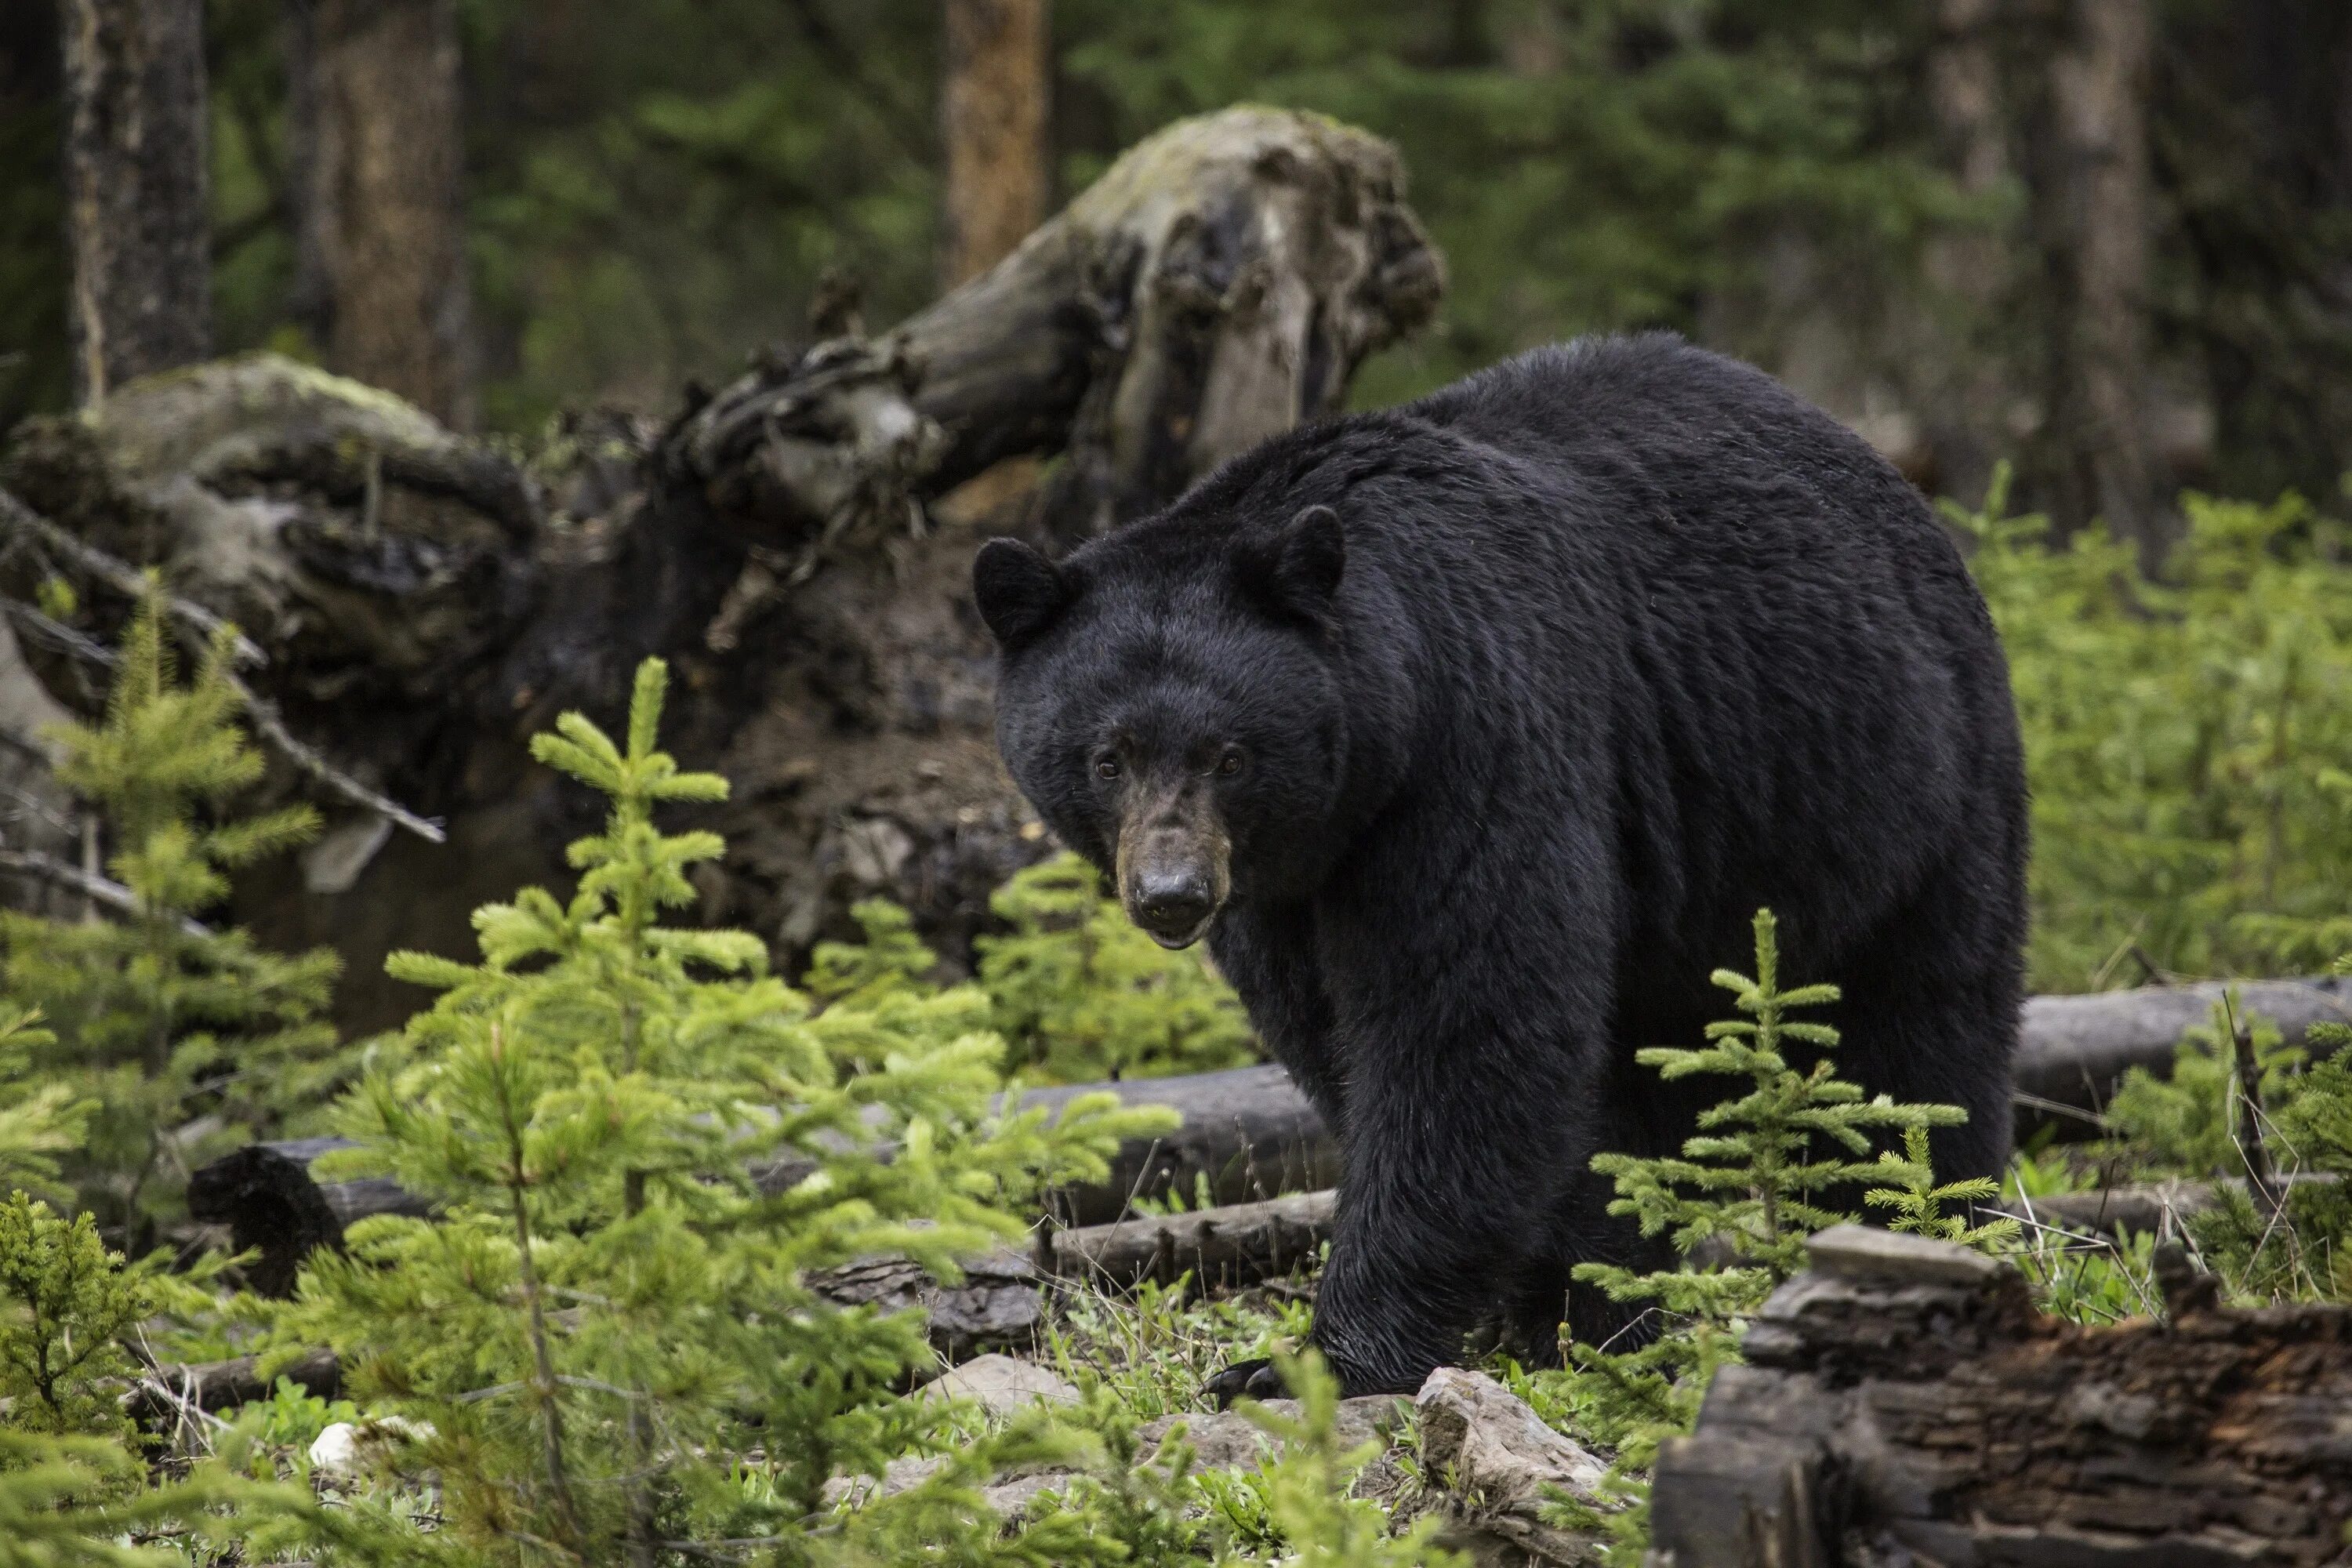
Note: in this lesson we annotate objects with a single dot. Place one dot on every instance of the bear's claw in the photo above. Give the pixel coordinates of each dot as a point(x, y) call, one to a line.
point(1259, 1379)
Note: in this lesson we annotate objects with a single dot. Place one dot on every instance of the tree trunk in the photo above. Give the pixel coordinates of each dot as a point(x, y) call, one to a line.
point(1958, 374)
point(1903, 1403)
point(382, 219)
point(993, 122)
point(2094, 206)
point(136, 177)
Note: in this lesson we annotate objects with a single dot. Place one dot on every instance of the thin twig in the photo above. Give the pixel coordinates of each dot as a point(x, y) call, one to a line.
point(124, 578)
point(281, 740)
point(89, 885)
point(2255, 1152)
point(267, 725)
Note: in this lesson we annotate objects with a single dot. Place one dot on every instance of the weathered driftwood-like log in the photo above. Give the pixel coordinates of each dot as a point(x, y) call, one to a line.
point(1220, 282)
point(2072, 1051)
point(1236, 1244)
point(1903, 1403)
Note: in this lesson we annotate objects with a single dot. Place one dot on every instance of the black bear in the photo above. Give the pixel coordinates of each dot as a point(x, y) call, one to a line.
point(1472, 733)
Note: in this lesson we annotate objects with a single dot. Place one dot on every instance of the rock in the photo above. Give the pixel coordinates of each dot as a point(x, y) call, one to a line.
point(1226, 1439)
point(347, 1448)
point(1009, 1496)
point(1001, 1384)
point(1867, 1252)
point(1499, 1462)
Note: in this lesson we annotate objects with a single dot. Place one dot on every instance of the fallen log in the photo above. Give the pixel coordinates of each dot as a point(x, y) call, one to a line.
point(1903, 1402)
point(1246, 1135)
point(1238, 1244)
point(1250, 1135)
point(2074, 1051)
point(166, 1396)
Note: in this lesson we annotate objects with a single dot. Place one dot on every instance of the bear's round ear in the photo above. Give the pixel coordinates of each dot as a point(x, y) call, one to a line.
point(1293, 570)
point(1019, 592)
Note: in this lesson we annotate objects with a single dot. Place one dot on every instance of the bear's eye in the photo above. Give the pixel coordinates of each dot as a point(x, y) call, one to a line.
point(1229, 764)
point(1106, 767)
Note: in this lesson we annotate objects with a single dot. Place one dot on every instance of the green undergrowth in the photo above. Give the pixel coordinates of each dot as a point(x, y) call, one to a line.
point(2188, 739)
point(1078, 993)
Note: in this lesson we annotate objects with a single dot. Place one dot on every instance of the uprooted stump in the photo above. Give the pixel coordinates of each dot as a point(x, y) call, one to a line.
point(790, 544)
point(1903, 1403)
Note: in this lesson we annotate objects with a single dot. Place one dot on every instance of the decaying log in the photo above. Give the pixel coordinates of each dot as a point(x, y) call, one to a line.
point(998, 1305)
point(166, 1392)
point(791, 544)
point(1903, 1403)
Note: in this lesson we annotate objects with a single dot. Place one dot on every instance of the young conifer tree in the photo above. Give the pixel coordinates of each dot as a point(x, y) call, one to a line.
point(180, 1039)
point(1083, 993)
point(1754, 1181)
point(606, 1336)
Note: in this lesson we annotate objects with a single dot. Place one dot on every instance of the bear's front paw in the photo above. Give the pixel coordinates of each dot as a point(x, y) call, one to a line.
point(1259, 1379)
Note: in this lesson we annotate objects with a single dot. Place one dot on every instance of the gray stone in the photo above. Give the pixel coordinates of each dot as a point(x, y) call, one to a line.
point(1867, 1252)
point(1001, 1384)
point(1227, 1439)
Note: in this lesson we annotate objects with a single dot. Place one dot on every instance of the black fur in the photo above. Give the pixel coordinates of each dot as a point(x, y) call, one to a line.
point(1613, 644)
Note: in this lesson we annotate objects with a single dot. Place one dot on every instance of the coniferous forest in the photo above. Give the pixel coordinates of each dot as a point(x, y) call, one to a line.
point(536, 1029)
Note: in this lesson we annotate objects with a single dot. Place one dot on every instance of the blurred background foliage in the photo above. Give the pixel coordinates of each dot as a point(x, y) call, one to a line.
point(1873, 200)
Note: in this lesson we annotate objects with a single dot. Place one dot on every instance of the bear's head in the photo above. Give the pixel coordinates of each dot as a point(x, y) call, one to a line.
point(1170, 702)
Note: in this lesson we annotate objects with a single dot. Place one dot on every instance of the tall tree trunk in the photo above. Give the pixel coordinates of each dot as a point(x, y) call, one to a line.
point(1964, 396)
point(2094, 206)
point(993, 118)
point(381, 220)
point(137, 213)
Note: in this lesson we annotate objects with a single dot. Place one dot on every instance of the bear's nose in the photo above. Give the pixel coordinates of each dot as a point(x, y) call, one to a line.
point(1172, 905)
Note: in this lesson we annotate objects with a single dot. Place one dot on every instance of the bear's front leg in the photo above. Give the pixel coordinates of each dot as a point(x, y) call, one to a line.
point(1462, 1131)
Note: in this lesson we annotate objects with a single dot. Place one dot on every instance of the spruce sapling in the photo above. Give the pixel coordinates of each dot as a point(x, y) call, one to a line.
point(606, 1337)
point(161, 1024)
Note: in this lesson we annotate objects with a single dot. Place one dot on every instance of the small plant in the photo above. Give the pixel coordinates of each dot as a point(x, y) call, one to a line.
point(610, 1310)
point(1304, 1490)
point(1752, 1182)
point(1918, 1203)
point(1083, 994)
point(68, 1304)
point(160, 1025)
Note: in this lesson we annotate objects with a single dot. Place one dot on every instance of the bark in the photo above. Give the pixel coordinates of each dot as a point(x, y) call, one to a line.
point(1903, 1403)
point(137, 189)
point(1234, 1245)
point(380, 218)
point(2094, 206)
point(1958, 372)
point(993, 105)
